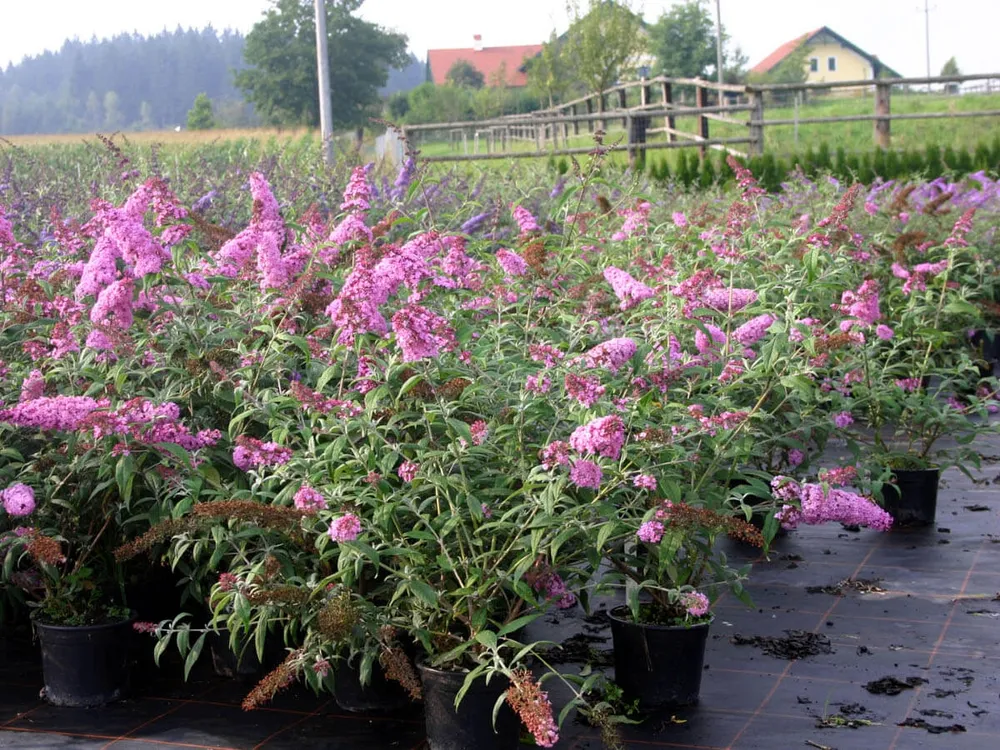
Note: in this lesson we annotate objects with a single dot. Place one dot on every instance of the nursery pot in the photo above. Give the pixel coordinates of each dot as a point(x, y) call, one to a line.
point(230, 662)
point(380, 695)
point(987, 342)
point(470, 726)
point(913, 500)
point(85, 666)
point(660, 665)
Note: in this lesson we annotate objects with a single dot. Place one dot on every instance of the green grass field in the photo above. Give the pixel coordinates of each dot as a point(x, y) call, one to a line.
point(75, 152)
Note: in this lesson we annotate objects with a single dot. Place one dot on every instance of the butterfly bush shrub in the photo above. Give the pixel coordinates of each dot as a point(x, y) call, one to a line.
point(399, 426)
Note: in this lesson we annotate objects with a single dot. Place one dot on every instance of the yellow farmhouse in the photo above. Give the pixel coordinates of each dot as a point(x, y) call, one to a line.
point(830, 57)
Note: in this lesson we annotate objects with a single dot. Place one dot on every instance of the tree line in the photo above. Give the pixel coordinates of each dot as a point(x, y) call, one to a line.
point(208, 78)
point(125, 82)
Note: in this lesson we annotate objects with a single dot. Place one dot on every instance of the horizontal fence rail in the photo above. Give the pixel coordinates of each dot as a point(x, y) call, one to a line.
point(552, 130)
point(584, 150)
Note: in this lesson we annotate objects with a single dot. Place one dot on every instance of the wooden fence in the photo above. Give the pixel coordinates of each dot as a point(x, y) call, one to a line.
point(638, 103)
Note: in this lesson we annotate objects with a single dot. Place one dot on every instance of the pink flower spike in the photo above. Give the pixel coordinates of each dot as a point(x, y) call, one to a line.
point(884, 332)
point(345, 528)
point(604, 436)
point(408, 471)
point(651, 532)
point(18, 500)
point(695, 603)
point(843, 419)
point(586, 474)
point(309, 500)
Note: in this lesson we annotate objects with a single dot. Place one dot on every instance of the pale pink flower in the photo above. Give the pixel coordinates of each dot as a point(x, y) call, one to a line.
point(345, 528)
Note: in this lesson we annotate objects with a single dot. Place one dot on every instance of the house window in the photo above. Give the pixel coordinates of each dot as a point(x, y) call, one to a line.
point(814, 64)
point(831, 63)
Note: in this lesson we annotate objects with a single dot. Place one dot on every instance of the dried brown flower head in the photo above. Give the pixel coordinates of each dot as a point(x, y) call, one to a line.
point(933, 207)
point(45, 549)
point(153, 536)
point(398, 667)
point(265, 516)
point(535, 255)
point(692, 519)
point(905, 241)
point(213, 235)
point(901, 201)
point(286, 595)
point(453, 388)
point(274, 682)
point(338, 617)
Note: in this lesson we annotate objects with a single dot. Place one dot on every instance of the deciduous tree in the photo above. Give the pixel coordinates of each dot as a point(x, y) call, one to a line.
point(604, 44)
point(281, 50)
point(547, 72)
point(464, 73)
point(683, 41)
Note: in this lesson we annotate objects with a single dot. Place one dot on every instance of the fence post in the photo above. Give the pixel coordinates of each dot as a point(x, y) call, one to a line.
point(590, 111)
point(701, 100)
point(576, 123)
point(883, 136)
point(637, 126)
point(668, 103)
point(602, 107)
point(756, 146)
point(623, 104)
point(630, 134)
point(798, 101)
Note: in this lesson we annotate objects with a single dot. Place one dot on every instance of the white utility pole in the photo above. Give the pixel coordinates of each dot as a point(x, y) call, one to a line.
point(927, 38)
point(323, 69)
point(718, 44)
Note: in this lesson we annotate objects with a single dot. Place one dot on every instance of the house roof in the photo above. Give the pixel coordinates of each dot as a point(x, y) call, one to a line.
point(772, 60)
point(487, 61)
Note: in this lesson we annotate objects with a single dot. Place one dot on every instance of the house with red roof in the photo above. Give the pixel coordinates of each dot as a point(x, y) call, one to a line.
point(830, 57)
point(495, 63)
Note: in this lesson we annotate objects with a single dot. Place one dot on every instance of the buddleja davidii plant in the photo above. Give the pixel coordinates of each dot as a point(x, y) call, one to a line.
point(916, 381)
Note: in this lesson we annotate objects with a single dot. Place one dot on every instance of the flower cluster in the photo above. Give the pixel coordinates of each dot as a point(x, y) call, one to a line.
point(821, 504)
point(251, 453)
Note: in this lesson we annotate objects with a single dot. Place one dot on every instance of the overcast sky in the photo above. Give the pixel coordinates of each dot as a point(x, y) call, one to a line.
point(891, 29)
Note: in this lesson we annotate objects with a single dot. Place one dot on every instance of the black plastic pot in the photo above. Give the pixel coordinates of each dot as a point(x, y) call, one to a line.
point(380, 695)
point(85, 666)
point(759, 516)
point(470, 726)
point(987, 344)
point(228, 662)
point(661, 665)
point(912, 501)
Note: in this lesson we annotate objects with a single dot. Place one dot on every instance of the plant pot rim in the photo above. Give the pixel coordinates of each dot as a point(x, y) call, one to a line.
point(422, 664)
point(655, 626)
point(77, 628)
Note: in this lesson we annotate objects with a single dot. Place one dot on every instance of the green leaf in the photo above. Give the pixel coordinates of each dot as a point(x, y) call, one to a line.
point(160, 647)
point(487, 638)
point(328, 374)
point(423, 592)
point(192, 657)
point(961, 307)
point(469, 679)
point(514, 625)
